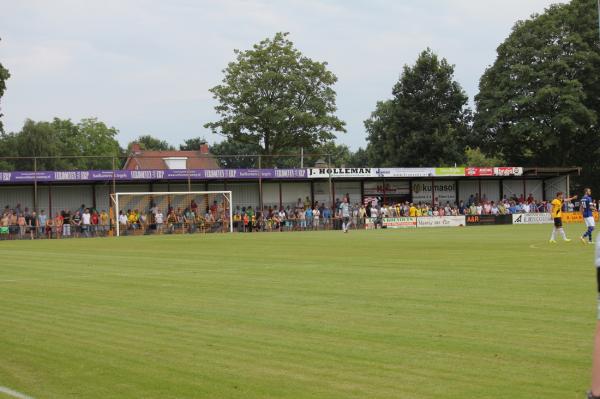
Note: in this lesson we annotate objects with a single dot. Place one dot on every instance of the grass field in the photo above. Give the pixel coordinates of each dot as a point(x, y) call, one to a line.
point(482, 312)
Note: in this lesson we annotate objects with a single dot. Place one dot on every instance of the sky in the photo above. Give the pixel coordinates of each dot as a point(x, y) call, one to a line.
point(145, 67)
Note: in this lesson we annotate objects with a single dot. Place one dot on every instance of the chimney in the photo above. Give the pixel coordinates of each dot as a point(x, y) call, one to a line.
point(204, 148)
point(136, 148)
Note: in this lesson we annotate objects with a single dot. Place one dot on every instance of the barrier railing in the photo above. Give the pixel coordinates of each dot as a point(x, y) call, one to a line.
point(54, 231)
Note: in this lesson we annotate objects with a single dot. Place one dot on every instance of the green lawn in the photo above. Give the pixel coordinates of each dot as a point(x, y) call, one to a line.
point(478, 312)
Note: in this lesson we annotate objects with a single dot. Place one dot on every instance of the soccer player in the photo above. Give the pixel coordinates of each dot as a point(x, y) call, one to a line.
point(557, 204)
point(587, 210)
point(345, 213)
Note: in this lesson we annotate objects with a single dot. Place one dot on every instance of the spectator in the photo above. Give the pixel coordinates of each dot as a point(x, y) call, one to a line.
point(86, 221)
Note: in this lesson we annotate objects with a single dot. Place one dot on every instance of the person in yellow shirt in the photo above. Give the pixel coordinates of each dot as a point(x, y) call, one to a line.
point(557, 205)
point(412, 211)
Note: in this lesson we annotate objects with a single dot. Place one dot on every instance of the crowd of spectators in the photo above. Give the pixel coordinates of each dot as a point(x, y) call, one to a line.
point(22, 223)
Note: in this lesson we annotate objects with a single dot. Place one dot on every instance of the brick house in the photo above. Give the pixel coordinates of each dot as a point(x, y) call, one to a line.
point(141, 159)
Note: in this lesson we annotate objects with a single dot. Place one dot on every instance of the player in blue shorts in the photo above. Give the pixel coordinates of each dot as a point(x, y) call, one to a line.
point(587, 210)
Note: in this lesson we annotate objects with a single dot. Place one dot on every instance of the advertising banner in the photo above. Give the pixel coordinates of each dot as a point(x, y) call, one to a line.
point(479, 220)
point(441, 192)
point(508, 171)
point(340, 173)
point(449, 171)
point(479, 172)
point(399, 223)
point(575, 217)
point(404, 172)
point(440, 221)
point(387, 188)
point(150, 174)
point(531, 218)
point(336, 173)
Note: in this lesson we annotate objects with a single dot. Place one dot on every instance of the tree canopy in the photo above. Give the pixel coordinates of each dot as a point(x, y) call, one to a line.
point(427, 120)
point(60, 144)
point(538, 103)
point(276, 99)
point(151, 143)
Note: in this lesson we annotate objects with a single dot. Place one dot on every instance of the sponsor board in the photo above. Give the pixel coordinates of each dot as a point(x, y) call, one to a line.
point(575, 217)
point(387, 188)
point(404, 172)
point(531, 218)
point(477, 220)
point(449, 171)
point(340, 173)
point(440, 221)
point(508, 171)
point(440, 191)
point(479, 171)
point(399, 223)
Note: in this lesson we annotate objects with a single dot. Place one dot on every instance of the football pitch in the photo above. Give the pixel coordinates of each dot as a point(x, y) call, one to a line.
point(477, 312)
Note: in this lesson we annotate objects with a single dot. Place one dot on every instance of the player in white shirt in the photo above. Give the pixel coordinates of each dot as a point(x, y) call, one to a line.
point(86, 217)
point(316, 214)
point(345, 213)
point(159, 219)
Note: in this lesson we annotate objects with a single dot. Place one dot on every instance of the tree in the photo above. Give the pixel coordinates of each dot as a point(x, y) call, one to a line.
point(97, 139)
point(276, 99)
point(150, 143)
point(4, 75)
point(192, 144)
point(360, 159)
point(426, 123)
point(39, 139)
point(240, 150)
point(475, 157)
point(60, 144)
point(538, 103)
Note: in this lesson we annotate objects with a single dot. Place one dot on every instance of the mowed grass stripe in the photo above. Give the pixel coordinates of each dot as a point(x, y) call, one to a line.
point(370, 314)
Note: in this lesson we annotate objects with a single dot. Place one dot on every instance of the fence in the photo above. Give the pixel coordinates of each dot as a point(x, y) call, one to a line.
point(52, 230)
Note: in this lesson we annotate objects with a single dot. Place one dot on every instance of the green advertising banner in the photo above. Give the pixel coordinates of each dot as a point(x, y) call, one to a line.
point(449, 171)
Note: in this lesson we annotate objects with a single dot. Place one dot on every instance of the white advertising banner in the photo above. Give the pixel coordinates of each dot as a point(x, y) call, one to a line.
point(508, 171)
point(440, 221)
point(532, 218)
point(337, 173)
point(319, 173)
point(399, 223)
point(440, 191)
point(404, 172)
point(389, 188)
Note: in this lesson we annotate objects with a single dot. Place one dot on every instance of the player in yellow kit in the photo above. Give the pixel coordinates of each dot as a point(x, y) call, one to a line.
point(557, 205)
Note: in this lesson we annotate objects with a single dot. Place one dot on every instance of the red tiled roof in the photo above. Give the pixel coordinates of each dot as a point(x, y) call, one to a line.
point(155, 160)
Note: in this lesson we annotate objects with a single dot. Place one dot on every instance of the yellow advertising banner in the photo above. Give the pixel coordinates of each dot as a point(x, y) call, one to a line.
point(575, 217)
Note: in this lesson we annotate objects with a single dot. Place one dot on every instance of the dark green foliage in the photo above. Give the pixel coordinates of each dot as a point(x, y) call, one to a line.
point(538, 103)
point(276, 99)
point(426, 123)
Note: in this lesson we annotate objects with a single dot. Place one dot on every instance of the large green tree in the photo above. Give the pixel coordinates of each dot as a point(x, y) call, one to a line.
point(60, 144)
point(275, 98)
point(4, 75)
point(538, 103)
point(426, 123)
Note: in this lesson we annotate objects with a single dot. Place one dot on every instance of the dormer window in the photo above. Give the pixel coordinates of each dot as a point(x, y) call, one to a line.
point(176, 162)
